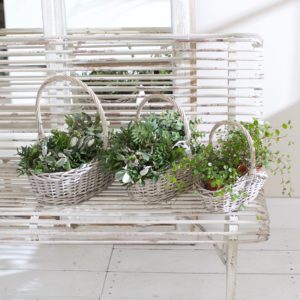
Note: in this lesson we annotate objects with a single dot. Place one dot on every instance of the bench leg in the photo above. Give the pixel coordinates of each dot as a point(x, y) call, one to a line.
point(231, 269)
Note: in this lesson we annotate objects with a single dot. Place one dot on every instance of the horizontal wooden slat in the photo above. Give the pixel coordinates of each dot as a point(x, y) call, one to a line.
point(211, 76)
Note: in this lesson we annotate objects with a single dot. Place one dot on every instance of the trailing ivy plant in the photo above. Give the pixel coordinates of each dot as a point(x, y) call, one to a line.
point(219, 167)
point(210, 166)
point(148, 148)
point(213, 168)
point(64, 150)
point(265, 138)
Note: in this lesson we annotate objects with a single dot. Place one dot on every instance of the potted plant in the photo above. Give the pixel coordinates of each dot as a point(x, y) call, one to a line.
point(63, 167)
point(143, 154)
point(232, 171)
point(220, 184)
point(265, 138)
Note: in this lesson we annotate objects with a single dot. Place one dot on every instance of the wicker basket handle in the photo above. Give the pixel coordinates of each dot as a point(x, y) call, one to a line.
point(247, 135)
point(187, 131)
point(73, 80)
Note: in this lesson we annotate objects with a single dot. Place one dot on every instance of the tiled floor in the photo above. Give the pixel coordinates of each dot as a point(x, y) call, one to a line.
point(268, 270)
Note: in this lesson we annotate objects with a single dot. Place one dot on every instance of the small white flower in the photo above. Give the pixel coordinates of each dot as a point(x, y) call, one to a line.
point(126, 178)
point(184, 146)
point(145, 170)
point(209, 164)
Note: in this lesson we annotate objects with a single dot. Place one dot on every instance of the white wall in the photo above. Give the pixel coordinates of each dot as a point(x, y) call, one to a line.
point(277, 21)
point(93, 13)
point(118, 13)
point(23, 14)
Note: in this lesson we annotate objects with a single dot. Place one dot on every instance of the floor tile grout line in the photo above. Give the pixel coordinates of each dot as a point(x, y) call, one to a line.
point(203, 273)
point(162, 272)
point(53, 270)
point(107, 272)
point(207, 250)
point(48, 297)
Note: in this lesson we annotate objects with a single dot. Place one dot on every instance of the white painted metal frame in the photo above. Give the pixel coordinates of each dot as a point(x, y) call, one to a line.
point(221, 78)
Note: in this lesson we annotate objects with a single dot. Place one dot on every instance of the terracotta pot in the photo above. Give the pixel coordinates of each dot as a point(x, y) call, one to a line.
point(242, 169)
point(259, 169)
point(209, 187)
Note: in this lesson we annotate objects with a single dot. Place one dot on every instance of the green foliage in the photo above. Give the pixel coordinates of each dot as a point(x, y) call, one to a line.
point(128, 82)
point(220, 166)
point(62, 151)
point(147, 148)
point(214, 169)
point(265, 139)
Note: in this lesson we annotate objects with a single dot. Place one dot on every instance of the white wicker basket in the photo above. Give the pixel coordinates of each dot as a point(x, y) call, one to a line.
point(76, 185)
point(163, 190)
point(246, 187)
point(254, 184)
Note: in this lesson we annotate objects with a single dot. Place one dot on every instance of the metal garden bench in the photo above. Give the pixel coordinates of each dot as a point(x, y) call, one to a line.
point(214, 77)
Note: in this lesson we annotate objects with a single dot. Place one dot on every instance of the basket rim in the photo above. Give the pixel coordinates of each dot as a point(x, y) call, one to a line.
point(167, 171)
point(148, 180)
point(82, 167)
point(199, 183)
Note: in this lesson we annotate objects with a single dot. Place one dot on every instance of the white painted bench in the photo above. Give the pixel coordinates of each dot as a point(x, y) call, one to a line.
point(214, 77)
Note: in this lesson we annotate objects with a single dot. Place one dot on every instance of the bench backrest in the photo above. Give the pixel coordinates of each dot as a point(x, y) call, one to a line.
point(214, 77)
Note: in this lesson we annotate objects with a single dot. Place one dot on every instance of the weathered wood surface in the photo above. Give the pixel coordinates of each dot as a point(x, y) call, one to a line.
point(218, 77)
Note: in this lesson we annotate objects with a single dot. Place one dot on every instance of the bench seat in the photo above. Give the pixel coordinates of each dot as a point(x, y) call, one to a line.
point(111, 217)
point(214, 77)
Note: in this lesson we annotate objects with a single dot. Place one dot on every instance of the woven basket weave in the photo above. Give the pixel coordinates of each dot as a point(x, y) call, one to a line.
point(246, 188)
point(76, 185)
point(163, 190)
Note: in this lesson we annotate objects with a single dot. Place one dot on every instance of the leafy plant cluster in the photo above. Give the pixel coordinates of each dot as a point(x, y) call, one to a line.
point(64, 150)
point(147, 148)
point(128, 82)
point(265, 139)
point(211, 167)
point(219, 167)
